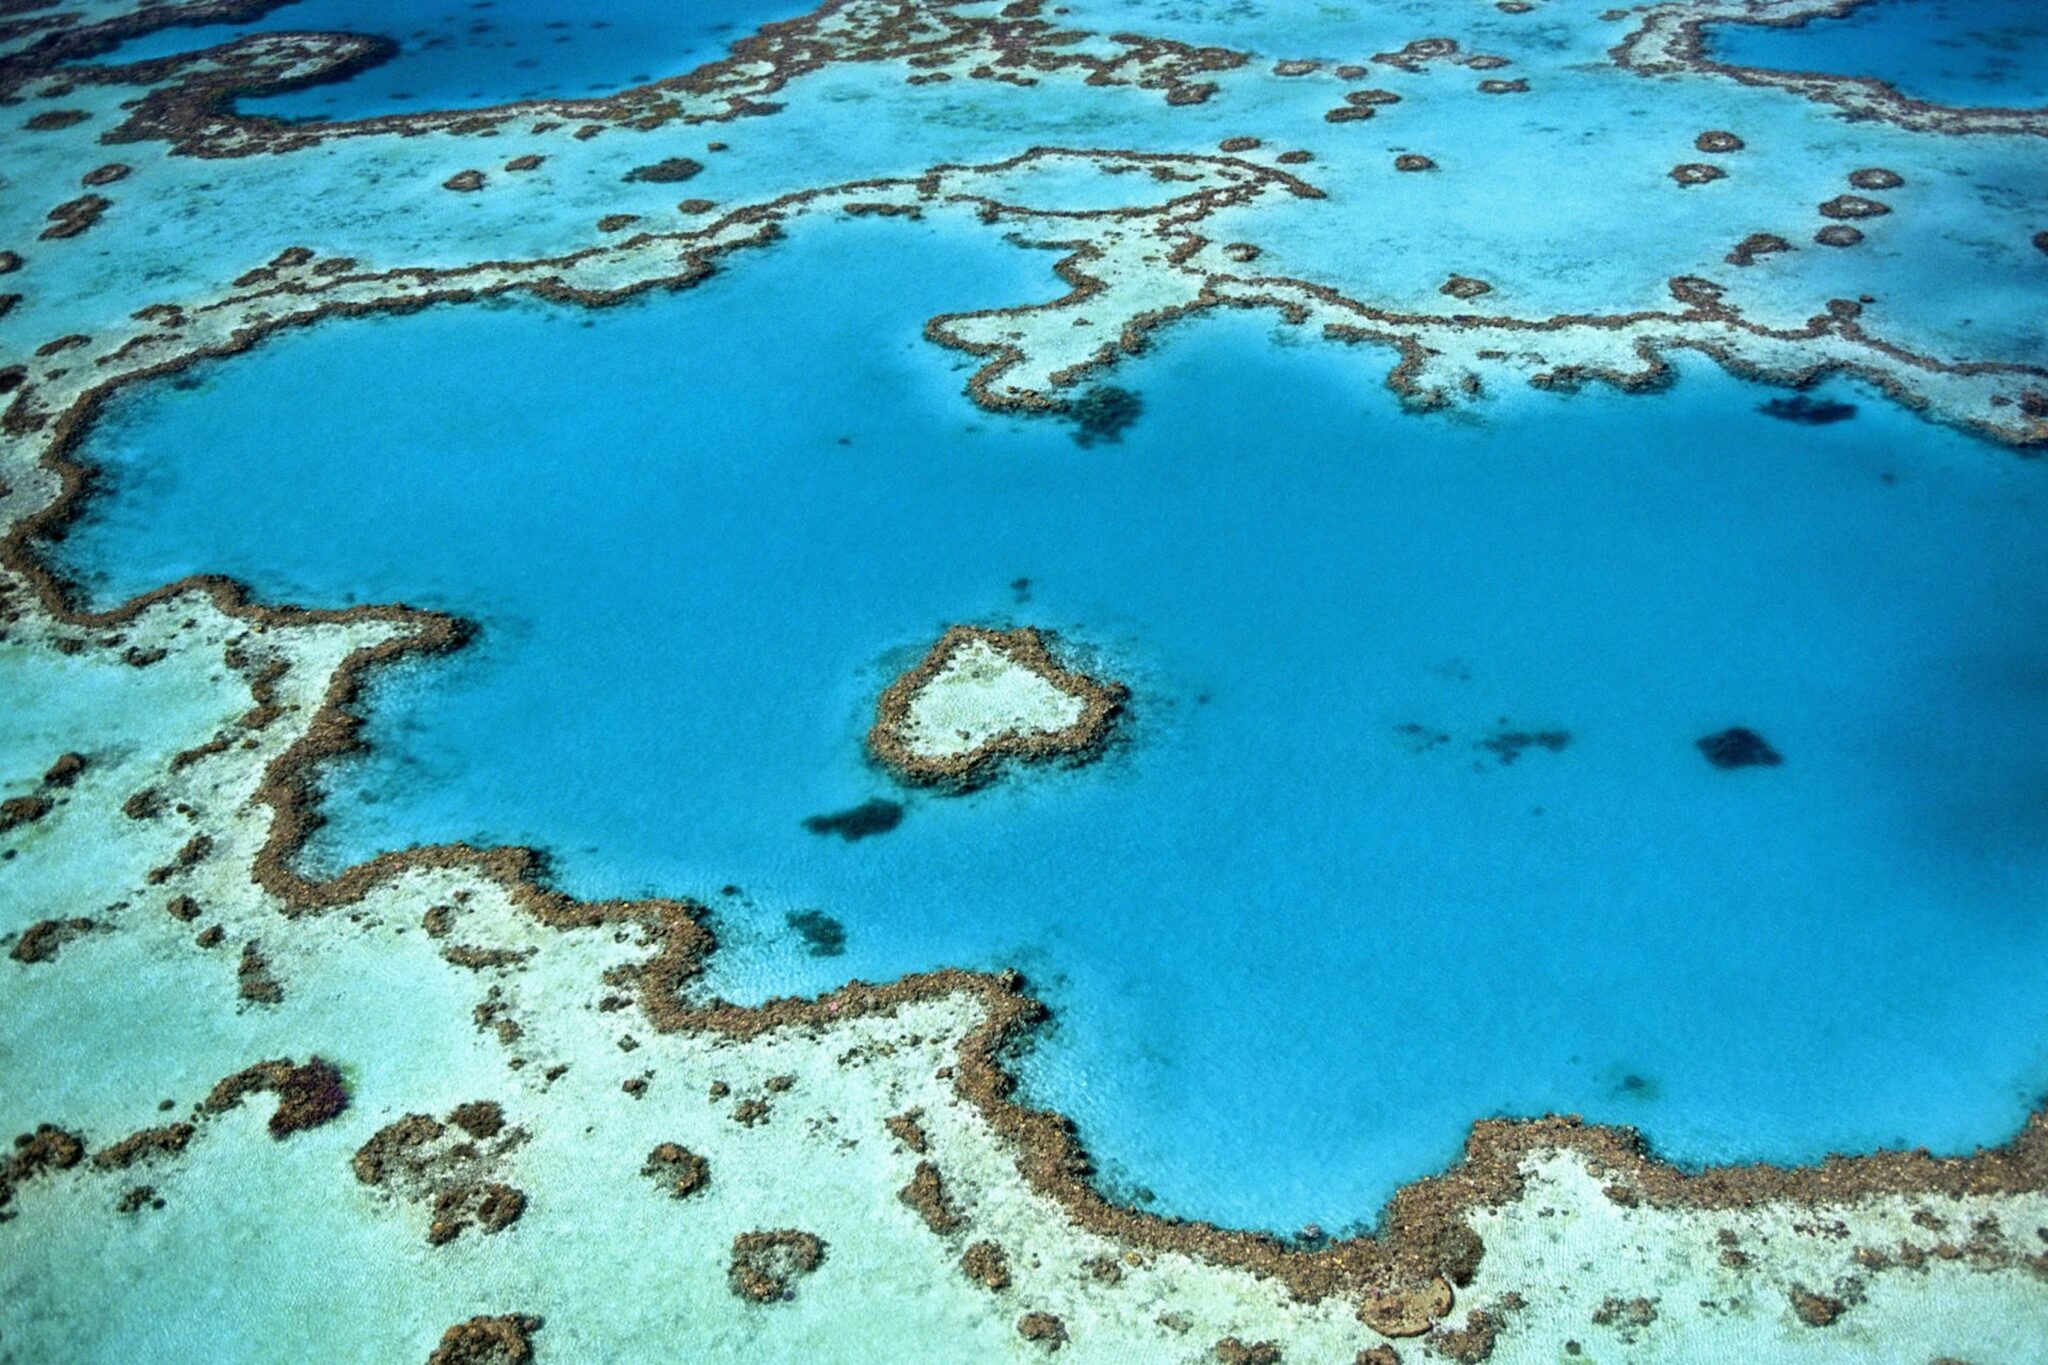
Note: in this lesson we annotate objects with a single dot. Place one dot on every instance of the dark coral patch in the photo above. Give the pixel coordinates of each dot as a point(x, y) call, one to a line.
point(1738, 748)
point(1757, 244)
point(1853, 206)
point(858, 822)
point(1807, 412)
point(1509, 745)
point(52, 120)
point(307, 1096)
point(677, 1170)
point(766, 1265)
point(480, 1340)
point(672, 171)
point(1103, 413)
point(823, 935)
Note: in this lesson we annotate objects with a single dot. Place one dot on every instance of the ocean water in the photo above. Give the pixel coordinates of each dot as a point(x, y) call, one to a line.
point(1960, 52)
point(1325, 903)
point(456, 54)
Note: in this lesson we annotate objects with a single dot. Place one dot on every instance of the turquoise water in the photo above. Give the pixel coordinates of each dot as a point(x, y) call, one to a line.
point(1305, 923)
point(461, 55)
point(1962, 52)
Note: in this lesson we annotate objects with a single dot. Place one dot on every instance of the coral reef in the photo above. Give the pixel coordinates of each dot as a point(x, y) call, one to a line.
point(1004, 697)
point(1738, 748)
point(505, 1340)
point(766, 1265)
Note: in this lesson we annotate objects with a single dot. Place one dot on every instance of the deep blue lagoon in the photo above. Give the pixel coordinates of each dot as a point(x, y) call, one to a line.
point(1958, 52)
point(461, 55)
point(1324, 903)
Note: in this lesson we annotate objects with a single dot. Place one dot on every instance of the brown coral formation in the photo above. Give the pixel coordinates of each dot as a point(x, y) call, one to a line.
point(464, 182)
point(1465, 287)
point(1469, 1344)
point(254, 980)
point(1816, 1310)
point(1853, 206)
point(1757, 244)
point(478, 1118)
point(677, 1169)
point(766, 1265)
point(986, 1264)
point(1416, 55)
point(447, 1166)
point(65, 770)
point(1045, 1329)
point(1697, 173)
point(1411, 1310)
point(55, 120)
point(480, 1340)
point(43, 940)
point(926, 1196)
point(75, 216)
point(1413, 161)
point(1499, 87)
point(669, 172)
point(149, 1142)
point(528, 162)
point(1081, 740)
point(1716, 142)
point(307, 1096)
point(105, 175)
point(1231, 1351)
point(48, 1148)
point(1875, 178)
point(906, 1129)
point(1613, 1312)
point(1838, 234)
point(137, 1198)
point(17, 811)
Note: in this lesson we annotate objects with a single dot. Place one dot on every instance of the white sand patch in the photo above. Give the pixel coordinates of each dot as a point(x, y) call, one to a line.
point(980, 693)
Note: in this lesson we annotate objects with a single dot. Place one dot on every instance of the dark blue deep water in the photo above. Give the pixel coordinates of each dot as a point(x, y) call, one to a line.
point(1959, 52)
point(454, 54)
point(1321, 908)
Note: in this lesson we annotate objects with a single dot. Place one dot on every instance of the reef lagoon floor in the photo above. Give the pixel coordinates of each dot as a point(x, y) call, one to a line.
point(1156, 682)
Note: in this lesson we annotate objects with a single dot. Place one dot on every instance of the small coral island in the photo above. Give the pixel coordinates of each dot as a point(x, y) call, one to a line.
point(980, 696)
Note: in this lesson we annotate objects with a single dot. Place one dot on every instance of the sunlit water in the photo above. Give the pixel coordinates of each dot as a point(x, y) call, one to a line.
point(1317, 910)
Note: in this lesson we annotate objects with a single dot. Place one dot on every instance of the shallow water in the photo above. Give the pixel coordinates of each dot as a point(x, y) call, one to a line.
point(461, 55)
point(1960, 52)
point(1304, 924)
